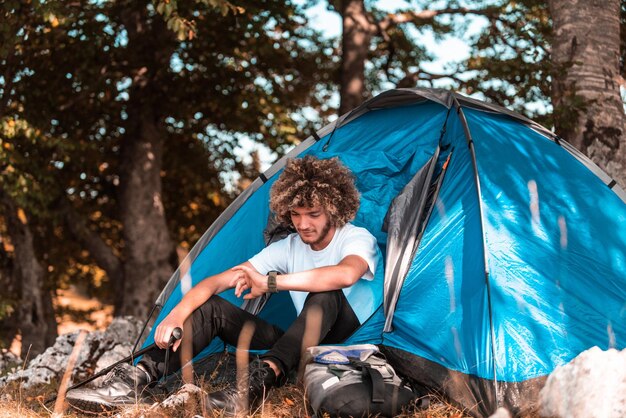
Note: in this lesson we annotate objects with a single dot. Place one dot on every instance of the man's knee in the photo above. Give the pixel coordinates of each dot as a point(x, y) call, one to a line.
point(331, 298)
point(213, 307)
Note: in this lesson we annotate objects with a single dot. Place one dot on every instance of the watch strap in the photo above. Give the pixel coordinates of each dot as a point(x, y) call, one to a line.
point(271, 282)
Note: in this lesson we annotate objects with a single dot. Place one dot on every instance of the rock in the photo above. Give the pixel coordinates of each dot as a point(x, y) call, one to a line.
point(120, 336)
point(123, 330)
point(110, 357)
point(501, 413)
point(187, 393)
point(591, 385)
point(99, 349)
point(9, 362)
point(46, 366)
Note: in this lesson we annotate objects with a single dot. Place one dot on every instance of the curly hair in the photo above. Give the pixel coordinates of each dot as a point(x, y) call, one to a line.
point(308, 182)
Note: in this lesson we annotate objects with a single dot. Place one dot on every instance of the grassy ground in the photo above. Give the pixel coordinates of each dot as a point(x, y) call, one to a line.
point(82, 313)
point(287, 401)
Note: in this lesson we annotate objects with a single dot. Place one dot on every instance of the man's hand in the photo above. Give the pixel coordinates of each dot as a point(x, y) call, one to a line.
point(163, 332)
point(249, 278)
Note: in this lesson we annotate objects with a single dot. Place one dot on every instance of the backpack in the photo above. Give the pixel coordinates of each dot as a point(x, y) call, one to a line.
point(353, 381)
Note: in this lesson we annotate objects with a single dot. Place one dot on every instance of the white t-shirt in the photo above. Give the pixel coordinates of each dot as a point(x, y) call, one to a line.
point(292, 255)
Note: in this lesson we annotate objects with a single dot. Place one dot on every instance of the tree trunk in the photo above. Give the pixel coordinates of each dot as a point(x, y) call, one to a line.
point(98, 249)
point(149, 251)
point(35, 313)
point(8, 324)
point(355, 41)
point(585, 91)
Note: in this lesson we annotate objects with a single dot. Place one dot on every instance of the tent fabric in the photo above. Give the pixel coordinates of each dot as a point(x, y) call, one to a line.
point(380, 176)
point(519, 251)
point(475, 395)
point(402, 224)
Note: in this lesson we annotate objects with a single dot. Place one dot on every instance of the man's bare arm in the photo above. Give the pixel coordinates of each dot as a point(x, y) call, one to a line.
point(321, 279)
point(199, 294)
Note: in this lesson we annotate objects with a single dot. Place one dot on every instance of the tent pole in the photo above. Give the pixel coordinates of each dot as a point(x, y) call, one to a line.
point(470, 144)
point(145, 324)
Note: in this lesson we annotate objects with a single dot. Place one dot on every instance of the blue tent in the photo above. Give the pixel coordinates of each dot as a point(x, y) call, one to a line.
point(505, 247)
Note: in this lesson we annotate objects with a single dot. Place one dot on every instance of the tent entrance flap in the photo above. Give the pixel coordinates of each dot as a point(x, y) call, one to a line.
point(405, 222)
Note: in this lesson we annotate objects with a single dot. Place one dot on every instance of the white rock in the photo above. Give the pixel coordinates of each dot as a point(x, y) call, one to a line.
point(110, 357)
point(8, 362)
point(51, 364)
point(123, 330)
point(46, 366)
point(181, 397)
point(591, 385)
point(501, 413)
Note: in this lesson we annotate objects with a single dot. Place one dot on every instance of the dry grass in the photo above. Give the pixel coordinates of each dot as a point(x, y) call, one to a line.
point(284, 402)
point(287, 401)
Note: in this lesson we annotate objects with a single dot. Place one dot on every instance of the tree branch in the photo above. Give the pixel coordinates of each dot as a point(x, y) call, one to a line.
point(410, 79)
point(425, 16)
point(390, 46)
point(75, 100)
point(9, 72)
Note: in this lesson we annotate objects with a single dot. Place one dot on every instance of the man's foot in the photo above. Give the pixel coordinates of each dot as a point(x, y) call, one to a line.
point(122, 386)
point(261, 378)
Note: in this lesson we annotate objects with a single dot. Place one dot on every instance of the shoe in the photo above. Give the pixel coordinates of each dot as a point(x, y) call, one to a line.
point(122, 386)
point(261, 378)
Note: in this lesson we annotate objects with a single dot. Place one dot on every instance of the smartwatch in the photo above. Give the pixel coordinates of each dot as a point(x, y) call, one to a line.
point(271, 281)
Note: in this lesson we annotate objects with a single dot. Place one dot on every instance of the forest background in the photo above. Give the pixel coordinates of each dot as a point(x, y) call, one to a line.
point(120, 120)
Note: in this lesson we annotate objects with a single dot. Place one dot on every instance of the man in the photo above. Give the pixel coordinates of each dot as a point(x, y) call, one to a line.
point(327, 265)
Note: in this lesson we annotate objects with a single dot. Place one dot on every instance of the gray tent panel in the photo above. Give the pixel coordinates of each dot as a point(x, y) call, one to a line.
point(402, 224)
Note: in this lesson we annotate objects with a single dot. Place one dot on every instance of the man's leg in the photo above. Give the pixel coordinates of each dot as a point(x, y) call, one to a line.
point(215, 318)
point(337, 321)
